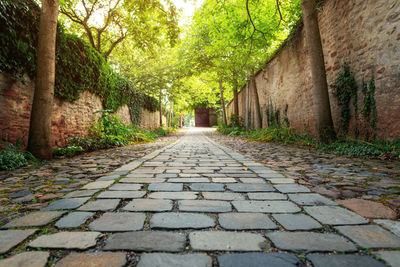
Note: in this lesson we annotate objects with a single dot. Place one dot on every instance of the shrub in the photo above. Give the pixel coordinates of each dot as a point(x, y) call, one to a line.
point(11, 158)
point(68, 152)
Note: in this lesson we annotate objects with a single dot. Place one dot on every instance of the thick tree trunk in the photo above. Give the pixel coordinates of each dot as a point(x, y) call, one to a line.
point(224, 120)
point(235, 97)
point(159, 99)
point(322, 110)
point(257, 109)
point(39, 142)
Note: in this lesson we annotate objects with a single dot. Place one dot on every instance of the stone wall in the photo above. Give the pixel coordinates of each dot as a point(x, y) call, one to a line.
point(68, 119)
point(151, 119)
point(364, 33)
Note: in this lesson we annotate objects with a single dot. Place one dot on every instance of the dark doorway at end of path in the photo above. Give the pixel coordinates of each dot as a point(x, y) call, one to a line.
point(205, 117)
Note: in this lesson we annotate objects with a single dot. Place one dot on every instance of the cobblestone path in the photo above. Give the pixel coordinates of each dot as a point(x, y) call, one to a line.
point(197, 203)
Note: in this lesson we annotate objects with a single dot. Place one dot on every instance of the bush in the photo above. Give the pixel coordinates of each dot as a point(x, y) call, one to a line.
point(11, 158)
point(67, 151)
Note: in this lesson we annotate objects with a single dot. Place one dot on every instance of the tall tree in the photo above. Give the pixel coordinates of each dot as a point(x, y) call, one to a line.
point(257, 109)
point(322, 108)
point(39, 142)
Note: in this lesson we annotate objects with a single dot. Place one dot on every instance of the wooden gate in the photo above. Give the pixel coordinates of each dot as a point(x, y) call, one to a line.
point(202, 118)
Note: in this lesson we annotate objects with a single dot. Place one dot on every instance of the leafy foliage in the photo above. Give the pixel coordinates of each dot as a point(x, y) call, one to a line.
point(68, 152)
point(369, 111)
point(12, 158)
point(79, 67)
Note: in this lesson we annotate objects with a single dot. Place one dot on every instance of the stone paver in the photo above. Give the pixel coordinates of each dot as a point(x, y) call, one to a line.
point(393, 226)
point(173, 195)
point(67, 203)
point(311, 200)
point(173, 220)
point(255, 259)
point(207, 187)
point(369, 209)
point(146, 241)
point(227, 241)
point(278, 206)
point(149, 205)
point(125, 187)
point(31, 259)
point(95, 259)
point(297, 221)
point(122, 194)
point(267, 196)
point(174, 260)
point(370, 236)
point(40, 218)
point(321, 260)
point(73, 220)
point(310, 241)
point(81, 193)
point(188, 180)
point(98, 185)
point(390, 257)
point(172, 187)
point(205, 205)
point(334, 215)
point(243, 221)
point(222, 196)
point(118, 222)
point(240, 187)
point(100, 205)
point(291, 188)
point(11, 238)
point(142, 180)
point(66, 240)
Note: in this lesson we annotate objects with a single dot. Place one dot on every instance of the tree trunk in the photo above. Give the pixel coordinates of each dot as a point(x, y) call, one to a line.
point(159, 98)
point(224, 120)
point(39, 142)
point(235, 97)
point(257, 109)
point(322, 110)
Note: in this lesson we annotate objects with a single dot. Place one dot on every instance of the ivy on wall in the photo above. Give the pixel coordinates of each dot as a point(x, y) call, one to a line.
point(79, 67)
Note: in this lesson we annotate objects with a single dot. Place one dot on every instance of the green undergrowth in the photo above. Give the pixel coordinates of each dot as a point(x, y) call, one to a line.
point(79, 67)
point(12, 158)
point(109, 131)
point(346, 147)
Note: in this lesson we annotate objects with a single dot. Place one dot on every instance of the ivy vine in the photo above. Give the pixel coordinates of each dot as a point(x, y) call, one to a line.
point(369, 111)
point(79, 67)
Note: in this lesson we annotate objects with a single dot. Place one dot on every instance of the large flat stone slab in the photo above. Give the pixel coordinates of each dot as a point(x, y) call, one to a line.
point(149, 205)
point(31, 259)
point(122, 194)
point(173, 195)
point(81, 193)
point(322, 260)
point(278, 206)
point(245, 221)
point(255, 259)
point(334, 215)
point(73, 220)
point(188, 180)
point(370, 236)
point(391, 225)
point(174, 260)
point(222, 196)
point(227, 241)
point(11, 238)
point(66, 240)
point(240, 187)
point(174, 220)
point(310, 241)
point(297, 221)
point(390, 257)
point(369, 209)
point(67, 203)
point(311, 200)
point(126, 187)
point(101, 205)
point(32, 219)
point(225, 180)
point(204, 205)
point(292, 188)
point(207, 187)
point(118, 222)
point(267, 196)
point(95, 259)
point(98, 185)
point(171, 187)
point(142, 180)
point(146, 241)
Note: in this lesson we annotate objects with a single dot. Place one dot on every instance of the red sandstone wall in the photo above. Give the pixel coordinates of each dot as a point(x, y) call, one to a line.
point(366, 34)
point(68, 119)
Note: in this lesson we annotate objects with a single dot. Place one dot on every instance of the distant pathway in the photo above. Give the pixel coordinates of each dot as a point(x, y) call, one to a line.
point(197, 203)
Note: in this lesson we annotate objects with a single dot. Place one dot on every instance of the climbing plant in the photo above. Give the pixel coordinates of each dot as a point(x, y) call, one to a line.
point(345, 89)
point(369, 111)
point(79, 67)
